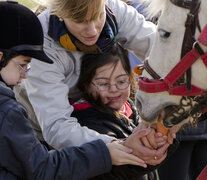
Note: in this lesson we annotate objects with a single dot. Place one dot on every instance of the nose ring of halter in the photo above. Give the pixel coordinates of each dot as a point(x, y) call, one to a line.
point(174, 82)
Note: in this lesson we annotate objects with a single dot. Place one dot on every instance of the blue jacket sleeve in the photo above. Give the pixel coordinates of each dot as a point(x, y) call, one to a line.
point(6, 175)
point(22, 154)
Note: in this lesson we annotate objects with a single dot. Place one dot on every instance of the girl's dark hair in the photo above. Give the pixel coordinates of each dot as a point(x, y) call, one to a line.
point(91, 62)
point(7, 56)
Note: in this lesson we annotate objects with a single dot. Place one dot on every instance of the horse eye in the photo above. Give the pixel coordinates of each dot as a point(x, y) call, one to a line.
point(163, 33)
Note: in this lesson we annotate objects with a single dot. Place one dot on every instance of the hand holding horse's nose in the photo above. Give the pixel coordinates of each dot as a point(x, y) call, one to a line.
point(148, 140)
point(145, 153)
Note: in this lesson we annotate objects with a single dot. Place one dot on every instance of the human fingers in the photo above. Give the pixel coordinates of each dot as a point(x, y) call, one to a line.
point(170, 138)
point(126, 158)
point(160, 139)
point(156, 160)
point(155, 154)
point(159, 157)
point(134, 142)
point(161, 144)
point(142, 125)
point(140, 133)
point(144, 152)
point(160, 151)
point(123, 147)
point(172, 133)
point(145, 142)
point(151, 139)
point(177, 127)
point(134, 139)
point(119, 155)
point(148, 154)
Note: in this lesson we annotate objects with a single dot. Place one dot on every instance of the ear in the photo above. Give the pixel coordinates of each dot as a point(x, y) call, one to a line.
point(1, 54)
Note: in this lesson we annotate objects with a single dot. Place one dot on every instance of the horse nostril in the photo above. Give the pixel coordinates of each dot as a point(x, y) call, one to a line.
point(138, 104)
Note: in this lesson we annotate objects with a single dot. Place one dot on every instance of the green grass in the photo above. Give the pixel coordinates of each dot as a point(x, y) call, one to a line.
point(29, 3)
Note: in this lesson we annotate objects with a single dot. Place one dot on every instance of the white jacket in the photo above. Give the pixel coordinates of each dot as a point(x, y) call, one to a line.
point(49, 86)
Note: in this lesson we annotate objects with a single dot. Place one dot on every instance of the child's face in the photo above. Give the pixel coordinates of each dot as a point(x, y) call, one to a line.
point(15, 70)
point(107, 78)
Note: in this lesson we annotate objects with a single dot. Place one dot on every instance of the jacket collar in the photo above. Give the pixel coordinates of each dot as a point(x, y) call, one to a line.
point(6, 91)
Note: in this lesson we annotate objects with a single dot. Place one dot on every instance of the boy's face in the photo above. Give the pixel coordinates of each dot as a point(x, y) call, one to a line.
point(112, 77)
point(15, 70)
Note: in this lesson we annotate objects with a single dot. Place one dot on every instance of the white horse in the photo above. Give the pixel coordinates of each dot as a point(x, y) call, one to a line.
point(177, 96)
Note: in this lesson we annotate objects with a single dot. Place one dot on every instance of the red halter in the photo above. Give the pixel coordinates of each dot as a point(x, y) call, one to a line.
point(169, 83)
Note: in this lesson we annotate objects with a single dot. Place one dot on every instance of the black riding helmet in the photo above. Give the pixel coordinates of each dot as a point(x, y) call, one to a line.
point(21, 31)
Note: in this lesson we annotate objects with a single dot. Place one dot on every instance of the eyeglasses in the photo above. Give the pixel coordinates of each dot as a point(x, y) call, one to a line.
point(25, 70)
point(120, 85)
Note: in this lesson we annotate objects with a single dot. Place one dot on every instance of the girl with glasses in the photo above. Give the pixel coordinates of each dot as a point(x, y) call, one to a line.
point(106, 108)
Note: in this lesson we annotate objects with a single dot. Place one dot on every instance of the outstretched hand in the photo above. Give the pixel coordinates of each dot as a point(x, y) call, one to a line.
point(144, 146)
point(149, 155)
point(121, 155)
point(152, 140)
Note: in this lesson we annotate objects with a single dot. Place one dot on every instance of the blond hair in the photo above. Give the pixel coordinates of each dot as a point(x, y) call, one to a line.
point(76, 9)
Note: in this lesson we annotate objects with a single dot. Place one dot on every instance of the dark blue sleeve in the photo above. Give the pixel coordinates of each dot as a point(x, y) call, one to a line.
point(6, 175)
point(22, 154)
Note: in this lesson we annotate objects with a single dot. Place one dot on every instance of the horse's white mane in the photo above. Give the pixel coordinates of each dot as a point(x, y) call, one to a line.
point(153, 7)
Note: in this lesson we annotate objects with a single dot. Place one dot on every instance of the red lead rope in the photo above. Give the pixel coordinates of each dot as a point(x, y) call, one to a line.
point(169, 82)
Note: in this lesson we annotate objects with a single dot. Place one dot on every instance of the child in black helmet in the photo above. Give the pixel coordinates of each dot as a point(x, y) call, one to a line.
point(22, 156)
